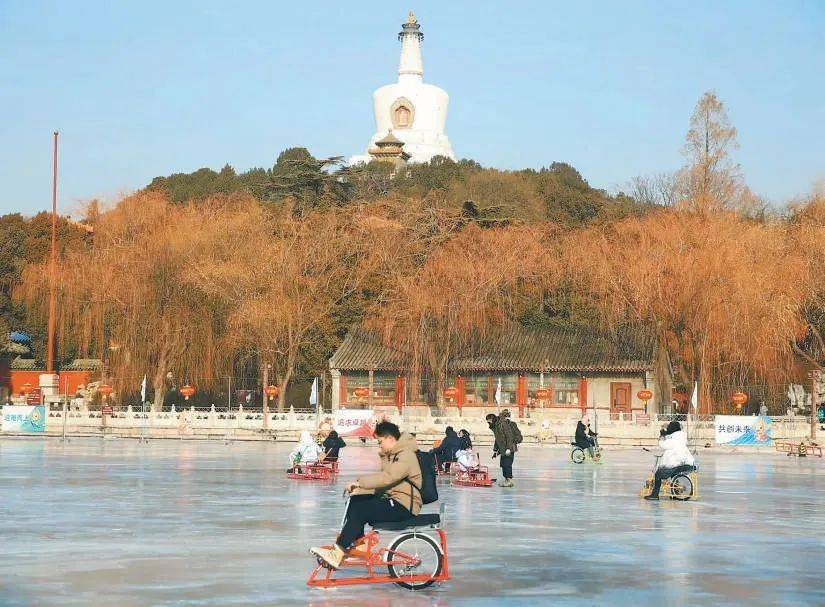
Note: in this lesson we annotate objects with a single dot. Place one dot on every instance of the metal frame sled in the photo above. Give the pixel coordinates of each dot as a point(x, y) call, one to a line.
point(310, 472)
point(402, 567)
point(800, 449)
point(447, 465)
point(331, 465)
point(477, 477)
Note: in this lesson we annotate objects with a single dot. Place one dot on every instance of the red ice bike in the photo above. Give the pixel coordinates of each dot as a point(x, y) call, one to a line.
point(479, 476)
point(322, 470)
point(414, 559)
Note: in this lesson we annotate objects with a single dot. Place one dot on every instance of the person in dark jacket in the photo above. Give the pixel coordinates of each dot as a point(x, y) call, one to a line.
point(584, 436)
point(507, 437)
point(464, 441)
point(332, 445)
point(445, 452)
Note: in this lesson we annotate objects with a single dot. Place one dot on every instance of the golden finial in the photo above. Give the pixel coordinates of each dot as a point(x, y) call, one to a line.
point(411, 19)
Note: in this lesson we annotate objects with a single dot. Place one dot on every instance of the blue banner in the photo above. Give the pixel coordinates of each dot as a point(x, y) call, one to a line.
point(24, 418)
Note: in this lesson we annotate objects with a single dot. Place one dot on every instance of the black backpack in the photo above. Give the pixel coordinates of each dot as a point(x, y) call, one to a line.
point(428, 488)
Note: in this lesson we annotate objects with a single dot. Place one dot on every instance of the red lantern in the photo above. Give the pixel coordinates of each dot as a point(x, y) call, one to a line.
point(361, 392)
point(739, 398)
point(542, 394)
point(272, 391)
point(105, 389)
point(26, 388)
point(450, 392)
point(644, 395)
point(187, 391)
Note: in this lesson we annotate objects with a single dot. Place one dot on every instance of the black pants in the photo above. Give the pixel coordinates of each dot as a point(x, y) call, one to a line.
point(663, 473)
point(507, 465)
point(365, 509)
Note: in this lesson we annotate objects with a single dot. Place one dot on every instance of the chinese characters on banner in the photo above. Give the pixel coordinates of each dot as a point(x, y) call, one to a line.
point(24, 419)
point(742, 430)
point(354, 422)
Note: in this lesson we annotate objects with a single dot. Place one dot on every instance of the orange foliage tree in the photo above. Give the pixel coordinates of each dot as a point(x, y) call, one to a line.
point(725, 295)
point(128, 297)
point(470, 286)
point(283, 281)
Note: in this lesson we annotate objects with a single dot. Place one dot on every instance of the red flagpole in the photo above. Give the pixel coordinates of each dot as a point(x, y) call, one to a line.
point(53, 267)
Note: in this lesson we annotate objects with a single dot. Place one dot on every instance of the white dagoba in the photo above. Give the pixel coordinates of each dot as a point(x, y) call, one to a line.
point(414, 112)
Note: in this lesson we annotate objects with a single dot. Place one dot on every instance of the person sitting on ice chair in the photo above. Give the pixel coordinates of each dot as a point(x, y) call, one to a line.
point(391, 495)
point(675, 459)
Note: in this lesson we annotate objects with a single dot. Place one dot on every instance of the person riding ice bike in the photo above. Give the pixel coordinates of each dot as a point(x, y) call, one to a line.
point(676, 458)
point(332, 445)
point(446, 450)
point(585, 437)
point(391, 495)
point(306, 452)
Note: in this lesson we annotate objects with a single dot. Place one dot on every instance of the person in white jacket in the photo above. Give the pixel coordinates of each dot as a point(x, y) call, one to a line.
point(306, 452)
point(675, 459)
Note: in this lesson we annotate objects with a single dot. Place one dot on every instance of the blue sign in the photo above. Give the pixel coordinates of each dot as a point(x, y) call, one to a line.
point(24, 419)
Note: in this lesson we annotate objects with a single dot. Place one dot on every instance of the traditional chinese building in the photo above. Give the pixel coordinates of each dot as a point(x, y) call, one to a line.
point(555, 370)
point(390, 149)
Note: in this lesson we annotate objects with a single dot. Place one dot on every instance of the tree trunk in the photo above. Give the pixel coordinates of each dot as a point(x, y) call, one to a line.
point(159, 381)
point(285, 378)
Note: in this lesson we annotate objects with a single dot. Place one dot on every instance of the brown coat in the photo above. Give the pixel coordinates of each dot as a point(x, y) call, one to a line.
point(398, 466)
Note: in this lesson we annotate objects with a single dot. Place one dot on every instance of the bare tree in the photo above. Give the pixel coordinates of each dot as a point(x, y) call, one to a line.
point(469, 287)
point(127, 298)
point(711, 178)
point(660, 189)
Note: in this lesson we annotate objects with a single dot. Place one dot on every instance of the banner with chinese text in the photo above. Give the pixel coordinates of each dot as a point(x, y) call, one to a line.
point(24, 418)
point(743, 430)
point(355, 422)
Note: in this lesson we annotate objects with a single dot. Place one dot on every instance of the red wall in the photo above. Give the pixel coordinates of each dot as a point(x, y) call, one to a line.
point(69, 380)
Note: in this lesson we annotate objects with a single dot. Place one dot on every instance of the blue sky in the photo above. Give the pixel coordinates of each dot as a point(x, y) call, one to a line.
point(139, 89)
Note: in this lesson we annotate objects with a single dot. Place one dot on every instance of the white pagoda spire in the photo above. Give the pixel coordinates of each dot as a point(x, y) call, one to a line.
point(414, 111)
point(410, 66)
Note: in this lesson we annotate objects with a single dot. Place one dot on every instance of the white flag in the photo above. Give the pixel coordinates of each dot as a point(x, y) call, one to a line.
point(143, 390)
point(313, 395)
point(694, 400)
point(498, 392)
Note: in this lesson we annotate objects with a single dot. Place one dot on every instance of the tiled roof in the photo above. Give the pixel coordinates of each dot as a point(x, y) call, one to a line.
point(83, 364)
point(362, 350)
point(25, 364)
point(556, 349)
point(13, 347)
point(563, 349)
point(78, 364)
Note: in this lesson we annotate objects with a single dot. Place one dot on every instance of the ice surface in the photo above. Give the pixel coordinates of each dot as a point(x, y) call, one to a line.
point(114, 522)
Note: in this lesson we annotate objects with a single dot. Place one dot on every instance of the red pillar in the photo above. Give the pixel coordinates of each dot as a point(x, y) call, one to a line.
point(399, 393)
point(342, 391)
point(583, 393)
point(521, 394)
point(459, 397)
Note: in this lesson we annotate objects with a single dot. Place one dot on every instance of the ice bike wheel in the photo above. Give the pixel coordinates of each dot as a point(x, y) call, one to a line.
point(577, 455)
point(681, 487)
point(422, 547)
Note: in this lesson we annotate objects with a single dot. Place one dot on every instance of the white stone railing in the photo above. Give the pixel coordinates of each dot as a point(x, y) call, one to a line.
point(186, 421)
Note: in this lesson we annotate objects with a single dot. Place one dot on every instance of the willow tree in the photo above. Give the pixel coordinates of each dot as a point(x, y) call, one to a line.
point(284, 280)
point(128, 300)
point(807, 232)
point(724, 294)
point(466, 289)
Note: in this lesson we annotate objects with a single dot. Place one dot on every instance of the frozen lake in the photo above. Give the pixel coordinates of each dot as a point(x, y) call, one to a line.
point(115, 522)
